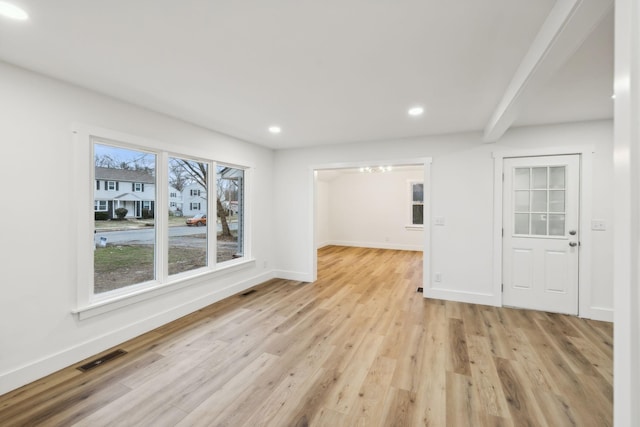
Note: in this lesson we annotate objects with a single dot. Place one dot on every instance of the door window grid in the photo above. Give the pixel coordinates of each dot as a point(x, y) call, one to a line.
point(539, 198)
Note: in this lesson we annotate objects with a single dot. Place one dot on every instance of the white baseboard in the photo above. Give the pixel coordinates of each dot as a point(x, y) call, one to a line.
point(323, 244)
point(461, 296)
point(599, 313)
point(293, 275)
point(376, 245)
point(35, 370)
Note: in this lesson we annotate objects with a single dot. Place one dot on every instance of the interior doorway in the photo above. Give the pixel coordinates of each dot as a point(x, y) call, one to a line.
point(356, 211)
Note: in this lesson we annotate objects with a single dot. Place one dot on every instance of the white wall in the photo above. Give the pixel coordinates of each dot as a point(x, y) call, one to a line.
point(38, 332)
point(462, 192)
point(369, 209)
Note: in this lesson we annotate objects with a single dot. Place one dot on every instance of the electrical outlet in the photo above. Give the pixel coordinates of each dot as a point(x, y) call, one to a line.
point(265, 264)
point(437, 277)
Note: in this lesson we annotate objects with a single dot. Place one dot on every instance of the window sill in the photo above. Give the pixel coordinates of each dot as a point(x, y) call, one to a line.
point(414, 227)
point(140, 293)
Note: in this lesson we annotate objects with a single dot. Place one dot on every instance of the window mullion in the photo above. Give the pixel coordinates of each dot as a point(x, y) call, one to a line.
point(161, 218)
point(212, 208)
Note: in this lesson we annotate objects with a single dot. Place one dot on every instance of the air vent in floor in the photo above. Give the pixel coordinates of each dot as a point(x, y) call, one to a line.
point(101, 360)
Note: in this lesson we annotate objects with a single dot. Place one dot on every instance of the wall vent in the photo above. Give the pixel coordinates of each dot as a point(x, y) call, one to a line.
point(101, 360)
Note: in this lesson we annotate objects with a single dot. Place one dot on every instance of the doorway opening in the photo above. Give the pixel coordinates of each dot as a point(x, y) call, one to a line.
point(380, 205)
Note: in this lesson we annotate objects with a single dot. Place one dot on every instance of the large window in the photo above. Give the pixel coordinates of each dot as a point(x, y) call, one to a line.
point(125, 242)
point(230, 202)
point(153, 228)
point(188, 237)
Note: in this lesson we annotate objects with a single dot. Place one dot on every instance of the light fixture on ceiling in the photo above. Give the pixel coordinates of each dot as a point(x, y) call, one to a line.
point(416, 111)
point(11, 11)
point(381, 169)
point(275, 129)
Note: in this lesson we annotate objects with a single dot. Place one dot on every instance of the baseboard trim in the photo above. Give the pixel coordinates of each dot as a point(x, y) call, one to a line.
point(461, 296)
point(293, 275)
point(376, 245)
point(599, 313)
point(35, 370)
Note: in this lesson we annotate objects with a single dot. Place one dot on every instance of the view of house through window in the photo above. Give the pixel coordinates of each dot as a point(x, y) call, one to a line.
point(126, 213)
point(188, 230)
point(124, 204)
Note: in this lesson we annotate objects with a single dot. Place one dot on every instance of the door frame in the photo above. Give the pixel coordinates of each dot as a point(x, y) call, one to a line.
point(585, 213)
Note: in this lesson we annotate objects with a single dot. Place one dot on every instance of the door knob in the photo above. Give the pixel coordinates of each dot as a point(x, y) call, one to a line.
point(573, 244)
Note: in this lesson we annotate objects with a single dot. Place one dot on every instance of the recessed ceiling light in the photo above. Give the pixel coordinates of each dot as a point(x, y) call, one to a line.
point(9, 10)
point(275, 129)
point(416, 111)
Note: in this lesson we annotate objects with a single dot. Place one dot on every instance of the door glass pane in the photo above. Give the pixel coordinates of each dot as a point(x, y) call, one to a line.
point(539, 224)
point(188, 231)
point(556, 225)
point(521, 181)
point(539, 177)
point(556, 201)
point(539, 201)
point(521, 222)
point(556, 177)
point(522, 201)
point(125, 233)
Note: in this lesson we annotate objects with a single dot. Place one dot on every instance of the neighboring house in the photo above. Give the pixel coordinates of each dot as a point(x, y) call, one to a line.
point(175, 202)
point(133, 190)
point(194, 200)
point(231, 206)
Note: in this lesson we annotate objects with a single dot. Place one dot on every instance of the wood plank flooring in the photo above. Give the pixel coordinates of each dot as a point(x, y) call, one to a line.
point(359, 347)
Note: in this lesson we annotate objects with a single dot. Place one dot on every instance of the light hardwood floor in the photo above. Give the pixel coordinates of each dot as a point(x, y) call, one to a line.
point(360, 347)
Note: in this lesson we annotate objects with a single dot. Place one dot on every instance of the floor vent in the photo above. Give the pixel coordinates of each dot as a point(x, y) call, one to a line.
point(101, 360)
point(419, 289)
point(247, 293)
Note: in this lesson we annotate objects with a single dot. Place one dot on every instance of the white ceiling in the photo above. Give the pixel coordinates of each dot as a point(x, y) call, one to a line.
point(327, 72)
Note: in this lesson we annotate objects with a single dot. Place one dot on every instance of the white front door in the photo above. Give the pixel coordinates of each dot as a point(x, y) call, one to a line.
point(541, 239)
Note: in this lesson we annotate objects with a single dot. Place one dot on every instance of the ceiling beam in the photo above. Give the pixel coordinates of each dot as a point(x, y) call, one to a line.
point(565, 29)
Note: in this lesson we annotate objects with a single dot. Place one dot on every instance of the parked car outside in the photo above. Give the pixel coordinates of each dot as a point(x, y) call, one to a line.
point(197, 220)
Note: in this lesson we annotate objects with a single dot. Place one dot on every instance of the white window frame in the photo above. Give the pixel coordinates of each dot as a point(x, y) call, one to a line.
point(110, 185)
point(88, 304)
point(137, 187)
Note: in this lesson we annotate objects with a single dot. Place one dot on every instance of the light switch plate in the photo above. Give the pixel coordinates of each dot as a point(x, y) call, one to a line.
point(598, 225)
point(439, 220)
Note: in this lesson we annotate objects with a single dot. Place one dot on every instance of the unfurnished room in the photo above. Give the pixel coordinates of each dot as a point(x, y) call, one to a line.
point(390, 213)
